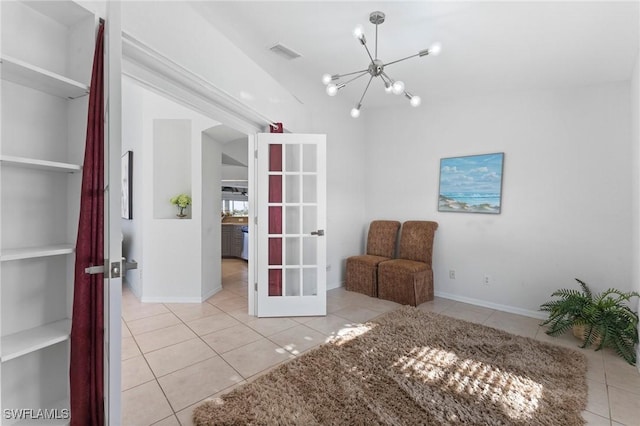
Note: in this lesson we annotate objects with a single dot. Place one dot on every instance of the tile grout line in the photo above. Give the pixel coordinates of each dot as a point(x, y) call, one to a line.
point(216, 354)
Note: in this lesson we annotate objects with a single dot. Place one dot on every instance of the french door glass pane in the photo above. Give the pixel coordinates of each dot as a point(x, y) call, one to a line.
point(309, 189)
point(293, 219)
point(309, 282)
point(292, 153)
point(275, 282)
point(309, 250)
point(292, 282)
point(275, 220)
point(309, 158)
point(292, 189)
point(293, 251)
point(275, 188)
point(275, 158)
point(310, 219)
point(275, 251)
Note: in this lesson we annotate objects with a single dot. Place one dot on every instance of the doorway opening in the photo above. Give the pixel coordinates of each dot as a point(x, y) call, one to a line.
point(234, 211)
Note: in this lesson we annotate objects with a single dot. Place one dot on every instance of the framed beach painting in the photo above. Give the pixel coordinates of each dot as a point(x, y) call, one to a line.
point(471, 184)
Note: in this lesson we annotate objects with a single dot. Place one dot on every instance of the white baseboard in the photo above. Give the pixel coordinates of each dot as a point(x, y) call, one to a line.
point(335, 285)
point(134, 290)
point(211, 293)
point(484, 304)
point(496, 306)
point(171, 300)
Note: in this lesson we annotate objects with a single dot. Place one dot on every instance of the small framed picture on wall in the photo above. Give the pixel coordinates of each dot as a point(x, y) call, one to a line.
point(127, 185)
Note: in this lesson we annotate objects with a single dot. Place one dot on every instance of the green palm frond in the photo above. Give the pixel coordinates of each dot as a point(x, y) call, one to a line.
point(585, 289)
point(607, 318)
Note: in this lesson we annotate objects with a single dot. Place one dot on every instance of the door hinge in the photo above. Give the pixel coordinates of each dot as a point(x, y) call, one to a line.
point(255, 220)
point(255, 286)
point(255, 154)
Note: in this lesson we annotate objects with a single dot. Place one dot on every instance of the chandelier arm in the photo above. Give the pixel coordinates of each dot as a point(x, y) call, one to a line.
point(356, 77)
point(385, 75)
point(365, 90)
point(386, 81)
point(400, 60)
point(351, 73)
point(368, 53)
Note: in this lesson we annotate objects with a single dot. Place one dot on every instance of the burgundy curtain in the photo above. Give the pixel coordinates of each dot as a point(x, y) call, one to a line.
point(87, 330)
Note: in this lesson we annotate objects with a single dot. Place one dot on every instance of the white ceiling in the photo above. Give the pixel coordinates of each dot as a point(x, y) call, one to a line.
point(487, 46)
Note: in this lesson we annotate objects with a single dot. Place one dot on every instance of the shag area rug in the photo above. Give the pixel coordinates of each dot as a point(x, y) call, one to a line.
point(410, 367)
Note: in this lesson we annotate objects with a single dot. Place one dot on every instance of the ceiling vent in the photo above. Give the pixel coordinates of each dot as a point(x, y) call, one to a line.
point(284, 51)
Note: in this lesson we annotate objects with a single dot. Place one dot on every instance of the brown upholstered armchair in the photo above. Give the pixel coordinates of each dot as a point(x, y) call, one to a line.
point(409, 278)
point(362, 271)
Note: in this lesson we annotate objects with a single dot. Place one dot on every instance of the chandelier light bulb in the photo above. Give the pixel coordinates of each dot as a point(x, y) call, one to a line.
point(415, 101)
point(332, 89)
point(435, 49)
point(358, 32)
point(388, 88)
point(355, 112)
point(326, 79)
point(397, 88)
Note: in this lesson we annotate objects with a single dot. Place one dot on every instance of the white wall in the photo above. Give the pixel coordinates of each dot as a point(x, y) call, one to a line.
point(237, 149)
point(635, 144)
point(132, 135)
point(566, 209)
point(211, 153)
point(170, 267)
point(171, 165)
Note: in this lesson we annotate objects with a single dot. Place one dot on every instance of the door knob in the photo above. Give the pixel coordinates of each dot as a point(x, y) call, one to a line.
point(129, 264)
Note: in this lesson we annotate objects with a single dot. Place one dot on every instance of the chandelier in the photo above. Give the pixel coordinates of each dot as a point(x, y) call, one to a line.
point(375, 69)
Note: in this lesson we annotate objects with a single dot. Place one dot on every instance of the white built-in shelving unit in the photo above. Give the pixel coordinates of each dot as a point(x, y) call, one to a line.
point(46, 53)
point(26, 74)
point(32, 163)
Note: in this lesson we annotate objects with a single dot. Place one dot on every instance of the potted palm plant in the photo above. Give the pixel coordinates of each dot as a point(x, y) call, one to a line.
point(602, 320)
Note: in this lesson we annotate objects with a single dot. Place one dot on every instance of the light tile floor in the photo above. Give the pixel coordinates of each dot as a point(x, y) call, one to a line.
point(175, 356)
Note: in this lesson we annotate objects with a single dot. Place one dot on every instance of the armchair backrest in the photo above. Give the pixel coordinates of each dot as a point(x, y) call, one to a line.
point(382, 238)
point(416, 240)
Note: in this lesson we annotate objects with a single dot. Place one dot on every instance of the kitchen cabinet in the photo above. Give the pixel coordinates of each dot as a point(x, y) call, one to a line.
point(232, 240)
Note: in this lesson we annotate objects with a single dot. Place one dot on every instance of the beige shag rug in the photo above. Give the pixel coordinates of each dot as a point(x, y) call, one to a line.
point(410, 367)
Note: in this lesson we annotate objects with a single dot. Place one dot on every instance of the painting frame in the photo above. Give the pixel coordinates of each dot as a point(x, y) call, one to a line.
point(126, 189)
point(471, 183)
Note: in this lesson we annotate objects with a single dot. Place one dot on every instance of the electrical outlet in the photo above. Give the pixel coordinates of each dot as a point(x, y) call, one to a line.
point(486, 280)
point(452, 274)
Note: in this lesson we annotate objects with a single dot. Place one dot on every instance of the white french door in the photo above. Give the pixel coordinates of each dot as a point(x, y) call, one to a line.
point(291, 242)
point(112, 223)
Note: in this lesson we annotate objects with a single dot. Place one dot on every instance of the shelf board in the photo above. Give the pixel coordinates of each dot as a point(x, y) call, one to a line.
point(34, 339)
point(31, 252)
point(32, 163)
point(25, 74)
